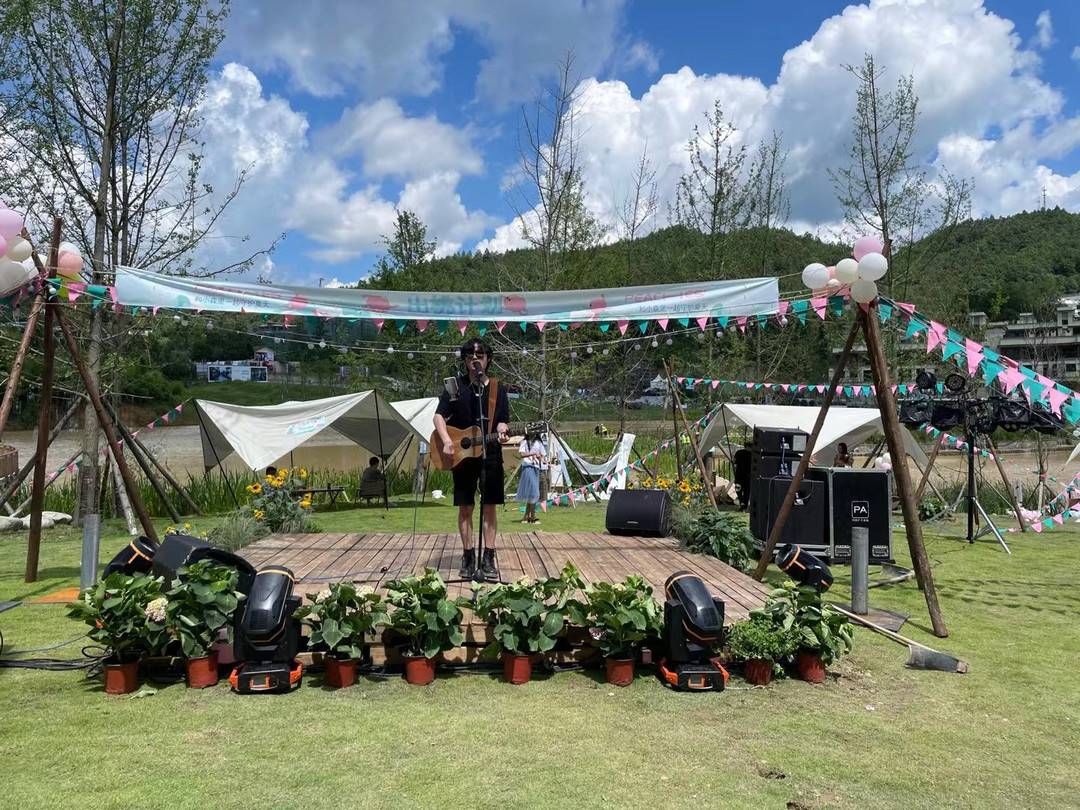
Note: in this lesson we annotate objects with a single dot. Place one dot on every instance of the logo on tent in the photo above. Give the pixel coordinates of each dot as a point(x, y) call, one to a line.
point(307, 426)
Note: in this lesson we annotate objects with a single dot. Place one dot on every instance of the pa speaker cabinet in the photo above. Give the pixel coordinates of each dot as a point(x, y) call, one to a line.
point(861, 501)
point(806, 524)
point(644, 512)
point(777, 441)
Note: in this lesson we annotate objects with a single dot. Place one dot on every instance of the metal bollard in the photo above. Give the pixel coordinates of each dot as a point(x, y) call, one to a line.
point(860, 569)
point(90, 544)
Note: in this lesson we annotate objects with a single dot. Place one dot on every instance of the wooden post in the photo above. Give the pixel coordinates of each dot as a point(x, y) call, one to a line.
point(20, 358)
point(804, 461)
point(37, 488)
point(28, 467)
point(675, 428)
point(143, 465)
point(1008, 485)
point(929, 466)
point(122, 497)
point(705, 482)
point(890, 421)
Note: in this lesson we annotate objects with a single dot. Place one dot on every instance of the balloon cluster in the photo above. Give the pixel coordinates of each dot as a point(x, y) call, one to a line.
point(16, 263)
point(859, 273)
point(883, 462)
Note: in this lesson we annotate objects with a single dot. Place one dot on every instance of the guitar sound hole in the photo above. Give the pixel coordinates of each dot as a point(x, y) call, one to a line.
point(466, 444)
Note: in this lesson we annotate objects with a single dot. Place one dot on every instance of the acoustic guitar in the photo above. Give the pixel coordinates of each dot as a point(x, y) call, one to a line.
point(468, 443)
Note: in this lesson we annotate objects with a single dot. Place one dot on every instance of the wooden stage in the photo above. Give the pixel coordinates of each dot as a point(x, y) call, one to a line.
point(373, 559)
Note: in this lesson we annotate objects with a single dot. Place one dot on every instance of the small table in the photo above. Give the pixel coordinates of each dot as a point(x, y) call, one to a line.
point(331, 492)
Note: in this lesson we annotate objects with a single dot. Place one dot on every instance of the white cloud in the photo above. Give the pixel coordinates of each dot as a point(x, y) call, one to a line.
point(1075, 55)
point(390, 143)
point(1044, 30)
point(396, 48)
point(981, 103)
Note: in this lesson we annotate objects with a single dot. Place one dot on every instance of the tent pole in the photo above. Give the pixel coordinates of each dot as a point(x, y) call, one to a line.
point(804, 461)
point(217, 459)
point(382, 457)
point(166, 475)
point(929, 466)
point(705, 482)
point(890, 422)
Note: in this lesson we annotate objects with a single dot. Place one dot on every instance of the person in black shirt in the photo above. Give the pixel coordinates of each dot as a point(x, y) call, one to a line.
point(742, 462)
point(460, 411)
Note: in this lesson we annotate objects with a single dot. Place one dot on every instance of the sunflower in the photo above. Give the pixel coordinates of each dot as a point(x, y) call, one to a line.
point(259, 514)
point(684, 487)
point(305, 503)
point(302, 473)
point(256, 488)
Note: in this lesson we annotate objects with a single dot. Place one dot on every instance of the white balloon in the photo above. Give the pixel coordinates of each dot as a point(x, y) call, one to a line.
point(833, 285)
point(864, 291)
point(815, 276)
point(18, 249)
point(886, 456)
point(67, 247)
point(12, 276)
point(879, 462)
point(847, 271)
point(873, 266)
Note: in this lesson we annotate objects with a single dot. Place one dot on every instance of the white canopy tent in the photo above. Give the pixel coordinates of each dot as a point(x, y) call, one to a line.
point(850, 425)
point(262, 434)
point(419, 413)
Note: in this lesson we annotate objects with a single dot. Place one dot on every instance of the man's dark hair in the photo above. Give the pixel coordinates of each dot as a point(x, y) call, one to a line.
point(474, 344)
point(271, 471)
point(373, 461)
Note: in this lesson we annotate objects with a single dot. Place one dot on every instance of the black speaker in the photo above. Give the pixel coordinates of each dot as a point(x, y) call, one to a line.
point(137, 557)
point(805, 524)
point(772, 466)
point(780, 440)
point(645, 512)
point(179, 550)
point(861, 502)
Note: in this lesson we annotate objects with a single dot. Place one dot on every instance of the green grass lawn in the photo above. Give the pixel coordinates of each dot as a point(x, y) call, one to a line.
point(875, 735)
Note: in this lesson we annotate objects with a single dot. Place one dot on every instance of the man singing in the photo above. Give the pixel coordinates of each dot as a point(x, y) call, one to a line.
point(473, 398)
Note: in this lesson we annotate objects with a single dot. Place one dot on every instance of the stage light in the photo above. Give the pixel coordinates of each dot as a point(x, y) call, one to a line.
point(926, 380)
point(955, 383)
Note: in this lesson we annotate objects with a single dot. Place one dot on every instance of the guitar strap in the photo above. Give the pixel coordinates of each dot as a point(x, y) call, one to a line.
point(493, 395)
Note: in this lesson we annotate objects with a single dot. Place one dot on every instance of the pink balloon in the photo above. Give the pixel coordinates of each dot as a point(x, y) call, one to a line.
point(11, 224)
point(866, 244)
point(832, 271)
point(3, 245)
point(69, 265)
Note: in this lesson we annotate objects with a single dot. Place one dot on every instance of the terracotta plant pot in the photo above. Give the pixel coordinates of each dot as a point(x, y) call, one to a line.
point(202, 672)
point(517, 669)
point(419, 671)
point(810, 667)
point(758, 671)
point(121, 679)
point(340, 672)
point(620, 671)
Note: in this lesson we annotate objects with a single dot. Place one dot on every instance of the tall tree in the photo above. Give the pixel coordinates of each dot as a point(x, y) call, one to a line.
point(101, 101)
point(407, 247)
point(711, 197)
point(885, 188)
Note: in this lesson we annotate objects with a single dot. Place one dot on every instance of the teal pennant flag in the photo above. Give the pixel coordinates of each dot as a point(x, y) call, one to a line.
point(914, 327)
point(800, 309)
point(951, 349)
point(990, 370)
point(884, 312)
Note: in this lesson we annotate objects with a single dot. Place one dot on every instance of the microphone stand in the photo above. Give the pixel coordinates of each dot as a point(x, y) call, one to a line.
point(478, 390)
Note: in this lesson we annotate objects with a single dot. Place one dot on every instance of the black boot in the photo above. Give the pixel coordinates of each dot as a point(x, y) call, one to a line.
point(487, 565)
point(468, 564)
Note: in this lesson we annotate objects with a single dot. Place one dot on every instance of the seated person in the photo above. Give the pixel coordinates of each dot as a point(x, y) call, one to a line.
point(843, 457)
point(372, 481)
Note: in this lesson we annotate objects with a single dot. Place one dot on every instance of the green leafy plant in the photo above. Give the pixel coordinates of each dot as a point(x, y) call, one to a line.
point(125, 614)
point(202, 600)
point(275, 506)
point(723, 535)
point(930, 507)
point(236, 530)
point(816, 626)
point(340, 617)
point(758, 638)
point(430, 622)
point(526, 616)
point(620, 616)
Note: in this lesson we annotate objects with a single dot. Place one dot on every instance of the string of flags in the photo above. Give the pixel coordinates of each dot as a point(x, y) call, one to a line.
point(1049, 522)
point(849, 391)
point(952, 441)
point(166, 418)
point(571, 497)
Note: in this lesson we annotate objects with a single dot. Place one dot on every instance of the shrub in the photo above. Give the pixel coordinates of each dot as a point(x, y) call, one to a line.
point(340, 617)
point(723, 535)
point(430, 622)
point(202, 601)
point(817, 627)
point(620, 616)
point(526, 616)
point(275, 505)
point(930, 507)
point(759, 638)
point(124, 614)
point(236, 530)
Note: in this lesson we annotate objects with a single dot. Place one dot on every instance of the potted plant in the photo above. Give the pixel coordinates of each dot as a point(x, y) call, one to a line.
point(525, 617)
point(202, 600)
point(428, 620)
point(619, 617)
point(822, 635)
point(125, 614)
point(760, 645)
point(340, 617)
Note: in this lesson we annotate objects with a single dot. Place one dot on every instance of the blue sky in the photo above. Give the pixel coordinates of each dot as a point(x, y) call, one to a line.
point(355, 108)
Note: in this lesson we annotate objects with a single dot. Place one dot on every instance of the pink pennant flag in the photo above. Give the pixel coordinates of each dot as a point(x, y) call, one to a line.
point(819, 305)
point(543, 506)
point(500, 325)
point(715, 384)
point(905, 307)
point(974, 356)
point(540, 325)
point(1010, 378)
point(570, 495)
point(422, 325)
point(179, 409)
point(820, 389)
point(800, 387)
point(749, 385)
point(112, 295)
point(75, 289)
point(892, 388)
point(1059, 520)
point(379, 324)
point(663, 323)
point(785, 387)
point(622, 327)
point(155, 310)
point(935, 335)
point(782, 308)
point(741, 321)
point(1057, 399)
point(150, 426)
point(462, 326)
point(839, 390)
point(702, 321)
point(1036, 527)
point(680, 380)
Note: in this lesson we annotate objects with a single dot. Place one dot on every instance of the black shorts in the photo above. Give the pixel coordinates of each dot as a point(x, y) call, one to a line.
point(467, 482)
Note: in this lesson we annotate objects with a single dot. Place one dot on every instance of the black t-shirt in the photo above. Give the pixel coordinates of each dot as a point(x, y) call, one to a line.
point(461, 413)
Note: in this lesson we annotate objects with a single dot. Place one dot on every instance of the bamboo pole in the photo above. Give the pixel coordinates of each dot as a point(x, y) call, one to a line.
point(890, 422)
point(28, 467)
point(37, 488)
point(122, 496)
point(675, 428)
point(137, 454)
point(20, 358)
point(929, 466)
point(1005, 480)
point(161, 468)
point(48, 483)
point(705, 482)
point(804, 461)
